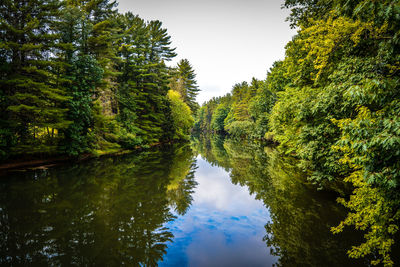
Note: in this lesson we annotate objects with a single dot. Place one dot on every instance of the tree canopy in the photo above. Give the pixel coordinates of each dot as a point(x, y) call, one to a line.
point(79, 77)
point(333, 103)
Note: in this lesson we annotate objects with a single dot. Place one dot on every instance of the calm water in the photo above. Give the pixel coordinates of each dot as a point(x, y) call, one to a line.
point(215, 203)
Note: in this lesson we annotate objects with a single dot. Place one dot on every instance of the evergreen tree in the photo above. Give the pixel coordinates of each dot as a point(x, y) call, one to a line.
point(80, 76)
point(98, 39)
point(83, 75)
point(34, 100)
point(143, 50)
point(131, 54)
point(75, 77)
point(184, 81)
point(101, 43)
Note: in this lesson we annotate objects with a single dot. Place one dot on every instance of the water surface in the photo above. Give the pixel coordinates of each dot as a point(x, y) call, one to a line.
point(215, 203)
point(223, 227)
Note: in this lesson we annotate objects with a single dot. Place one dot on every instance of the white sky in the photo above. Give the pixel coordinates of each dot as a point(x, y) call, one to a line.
point(226, 41)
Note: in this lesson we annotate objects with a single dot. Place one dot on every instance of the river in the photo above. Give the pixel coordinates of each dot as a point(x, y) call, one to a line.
point(212, 203)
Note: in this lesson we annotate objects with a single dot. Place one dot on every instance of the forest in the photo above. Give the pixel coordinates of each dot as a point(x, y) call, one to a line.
point(78, 77)
point(333, 104)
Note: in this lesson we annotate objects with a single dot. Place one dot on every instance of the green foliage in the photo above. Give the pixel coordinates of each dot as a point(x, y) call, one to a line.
point(183, 80)
point(83, 75)
point(78, 77)
point(240, 129)
point(126, 118)
point(339, 115)
point(7, 139)
point(143, 49)
point(241, 93)
point(333, 104)
point(260, 106)
point(181, 116)
point(231, 113)
point(373, 211)
point(219, 116)
point(303, 10)
point(205, 115)
point(33, 108)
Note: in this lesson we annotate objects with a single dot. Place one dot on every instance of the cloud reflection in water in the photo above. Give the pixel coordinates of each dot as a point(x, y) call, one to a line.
point(223, 227)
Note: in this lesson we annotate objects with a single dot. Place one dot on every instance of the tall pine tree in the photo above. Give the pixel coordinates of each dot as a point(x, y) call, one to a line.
point(184, 81)
point(98, 39)
point(143, 49)
point(33, 105)
point(80, 76)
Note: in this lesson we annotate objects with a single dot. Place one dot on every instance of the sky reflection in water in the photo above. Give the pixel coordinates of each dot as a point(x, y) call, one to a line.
point(161, 207)
point(223, 227)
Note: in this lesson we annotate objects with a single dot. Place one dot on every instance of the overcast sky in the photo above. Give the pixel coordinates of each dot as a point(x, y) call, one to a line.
point(226, 41)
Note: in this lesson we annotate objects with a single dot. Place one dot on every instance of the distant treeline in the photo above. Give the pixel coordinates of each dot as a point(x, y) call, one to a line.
point(334, 104)
point(78, 77)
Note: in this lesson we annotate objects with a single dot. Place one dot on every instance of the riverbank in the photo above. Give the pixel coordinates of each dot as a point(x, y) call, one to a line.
point(46, 162)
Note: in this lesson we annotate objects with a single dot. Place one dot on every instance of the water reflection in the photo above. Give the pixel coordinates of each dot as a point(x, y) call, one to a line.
point(298, 230)
point(105, 212)
point(217, 203)
point(223, 227)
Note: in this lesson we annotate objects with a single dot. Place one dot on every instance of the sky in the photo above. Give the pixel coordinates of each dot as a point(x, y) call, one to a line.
point(226, 41)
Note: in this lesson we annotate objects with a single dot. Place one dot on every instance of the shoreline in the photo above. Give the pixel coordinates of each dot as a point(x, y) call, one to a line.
point(47, 162)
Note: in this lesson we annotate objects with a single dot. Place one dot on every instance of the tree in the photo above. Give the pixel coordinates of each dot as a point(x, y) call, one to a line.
point(184, 81)
point(143, 49)
point(34, 105)
point(219, 116)
point(181, 115)
point(98, 38)
point(339, 114)
point(83, 75)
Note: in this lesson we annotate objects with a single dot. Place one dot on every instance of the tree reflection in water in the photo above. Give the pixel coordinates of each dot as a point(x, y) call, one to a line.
point(115, 210)
point(107, 212)
point(301, 217)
